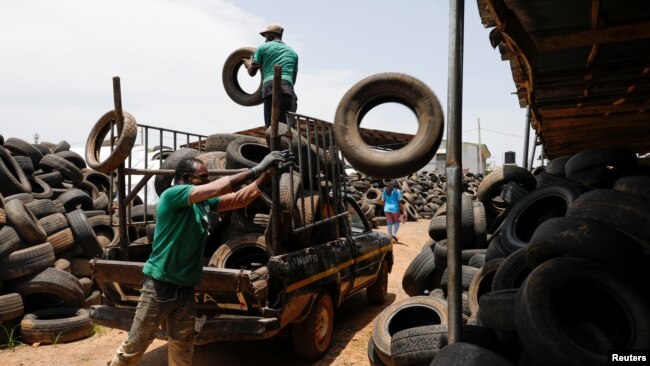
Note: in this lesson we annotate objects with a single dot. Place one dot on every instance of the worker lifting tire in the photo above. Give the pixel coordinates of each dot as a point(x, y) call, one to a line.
point(230, 82)
point(312, 336)
point(122, 148)
point(383, 88)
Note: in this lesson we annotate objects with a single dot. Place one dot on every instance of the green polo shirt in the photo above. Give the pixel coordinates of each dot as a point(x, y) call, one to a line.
point(179, 239)
point(274, 53)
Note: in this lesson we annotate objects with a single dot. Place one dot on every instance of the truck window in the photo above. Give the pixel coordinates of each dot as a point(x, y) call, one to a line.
point(356, 223)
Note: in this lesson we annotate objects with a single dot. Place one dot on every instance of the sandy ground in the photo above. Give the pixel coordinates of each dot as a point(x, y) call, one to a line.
point(352, 329)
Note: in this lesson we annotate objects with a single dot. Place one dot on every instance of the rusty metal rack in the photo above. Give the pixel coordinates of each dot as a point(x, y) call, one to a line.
point(322, 160)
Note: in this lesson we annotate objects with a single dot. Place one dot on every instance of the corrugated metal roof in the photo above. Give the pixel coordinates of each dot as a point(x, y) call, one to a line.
point(582, 65)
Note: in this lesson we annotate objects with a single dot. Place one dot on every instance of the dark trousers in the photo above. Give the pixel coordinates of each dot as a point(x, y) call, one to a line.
point(288, 103)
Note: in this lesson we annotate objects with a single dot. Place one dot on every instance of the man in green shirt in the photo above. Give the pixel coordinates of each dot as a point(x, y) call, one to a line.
point(176, 261)
point(275, 52)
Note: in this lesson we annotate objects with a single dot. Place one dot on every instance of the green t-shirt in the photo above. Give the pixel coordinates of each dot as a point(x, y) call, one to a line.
point(179, 239)
point(274, 53)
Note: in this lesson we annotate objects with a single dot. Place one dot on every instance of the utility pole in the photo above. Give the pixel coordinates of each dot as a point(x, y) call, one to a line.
point(480, 160)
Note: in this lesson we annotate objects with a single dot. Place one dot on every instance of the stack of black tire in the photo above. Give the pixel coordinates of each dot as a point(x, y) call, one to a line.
point(423, 194)
point(53, 220)
point(564, 277)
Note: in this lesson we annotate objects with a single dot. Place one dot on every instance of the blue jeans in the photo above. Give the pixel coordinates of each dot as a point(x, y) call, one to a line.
point(160, 301)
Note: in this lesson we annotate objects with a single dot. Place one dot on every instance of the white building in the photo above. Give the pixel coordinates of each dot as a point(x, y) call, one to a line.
point(473, 159)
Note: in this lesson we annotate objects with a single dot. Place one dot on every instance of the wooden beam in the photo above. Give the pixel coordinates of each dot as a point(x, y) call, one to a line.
point(600, 36)
point(549, 112)
point(596, 22)
point(616, 69)
point(606, 99)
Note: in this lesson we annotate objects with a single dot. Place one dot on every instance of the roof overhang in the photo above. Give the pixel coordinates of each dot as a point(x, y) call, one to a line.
point(583, 66)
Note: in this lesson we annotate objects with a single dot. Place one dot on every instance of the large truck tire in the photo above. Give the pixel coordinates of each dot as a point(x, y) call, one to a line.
point(383, 88)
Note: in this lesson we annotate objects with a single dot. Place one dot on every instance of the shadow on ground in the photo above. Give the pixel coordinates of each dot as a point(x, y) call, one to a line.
point(350, 318)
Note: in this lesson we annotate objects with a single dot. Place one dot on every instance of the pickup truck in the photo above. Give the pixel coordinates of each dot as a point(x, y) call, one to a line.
point(296, 291)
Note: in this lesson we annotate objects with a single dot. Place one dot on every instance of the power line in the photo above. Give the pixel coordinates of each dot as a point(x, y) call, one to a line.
point(501, 133)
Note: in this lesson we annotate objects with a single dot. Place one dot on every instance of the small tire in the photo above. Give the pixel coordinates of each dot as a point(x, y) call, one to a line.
point(56, 326)
point(419, 345)
point(408, 313)
point(84, 236)
point(26, 261)
point(13, 179)
point(241, 251)
point(123, 146)
point(50, 288)
point(230, 82)
point(11, 307)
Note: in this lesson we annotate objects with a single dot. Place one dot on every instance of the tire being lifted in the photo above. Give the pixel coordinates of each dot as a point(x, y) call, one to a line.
point(230, 82)
point(384, 88)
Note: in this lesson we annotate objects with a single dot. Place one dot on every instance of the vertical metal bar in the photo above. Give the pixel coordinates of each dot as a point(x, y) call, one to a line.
point(160, 146)
point(454, 166)
point(146, 162)
point(300, 164)
point(291, 121)
point(526, 138)
point(479, 167)
point(310, 170)
point(121, 192)
point(532, 154)
point(275, 145)
point(174, 134)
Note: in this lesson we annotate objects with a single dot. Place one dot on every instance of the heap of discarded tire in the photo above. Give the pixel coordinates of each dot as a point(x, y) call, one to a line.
point(560, 278)
point(53, 220)
point(423, 193)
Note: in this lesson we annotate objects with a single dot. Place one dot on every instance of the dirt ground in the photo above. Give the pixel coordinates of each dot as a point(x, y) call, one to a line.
point(352, 329)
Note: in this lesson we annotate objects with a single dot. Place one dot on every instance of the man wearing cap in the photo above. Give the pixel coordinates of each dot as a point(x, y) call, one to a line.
point(270, 53)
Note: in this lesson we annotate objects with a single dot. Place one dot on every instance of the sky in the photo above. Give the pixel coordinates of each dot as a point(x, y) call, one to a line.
point(58, 58)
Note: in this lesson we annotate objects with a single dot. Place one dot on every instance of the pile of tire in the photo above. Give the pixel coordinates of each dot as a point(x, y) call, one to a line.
point(423, 194)
point(53, 221)
point(563, 278)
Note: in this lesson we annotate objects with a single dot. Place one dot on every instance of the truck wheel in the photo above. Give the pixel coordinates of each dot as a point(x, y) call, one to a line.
point(312, 336)
point(230, 82)
point(383, 88)
point(376, 293)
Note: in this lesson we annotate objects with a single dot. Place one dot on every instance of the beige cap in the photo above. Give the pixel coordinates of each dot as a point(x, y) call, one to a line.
point(273, 28)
